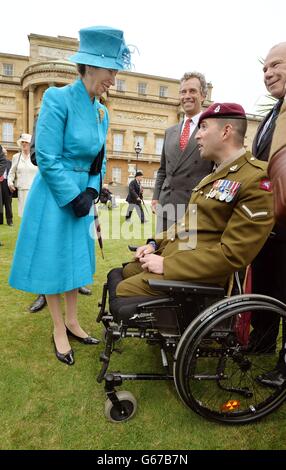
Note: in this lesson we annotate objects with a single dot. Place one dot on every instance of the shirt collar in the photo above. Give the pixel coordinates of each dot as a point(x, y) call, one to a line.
point(194, 119)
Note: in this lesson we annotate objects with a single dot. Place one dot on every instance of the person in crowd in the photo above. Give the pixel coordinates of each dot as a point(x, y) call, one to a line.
point(22, 172)
point(229, 217)
point(277, 173)
point(2, 170)
point(70, 138)
point(135, 198)
point(269, 267)
point(6, 194)
point(181, 167)
point(40, 301)
point(106, 197)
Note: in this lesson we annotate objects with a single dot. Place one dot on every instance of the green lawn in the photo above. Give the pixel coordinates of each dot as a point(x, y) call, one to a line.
point(47, 405)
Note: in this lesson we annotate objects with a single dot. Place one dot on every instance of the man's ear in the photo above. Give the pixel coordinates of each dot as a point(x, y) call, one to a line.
point(227, 130)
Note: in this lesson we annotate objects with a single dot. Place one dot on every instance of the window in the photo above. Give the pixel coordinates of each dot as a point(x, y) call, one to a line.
point(142, 88)
point(8, 69)
point(116, 175)
point(7, 132)
point(120, 85)
point(117, 142)
point(159, 145)
point(139, 139)
point(131, 169)
point(163, 92)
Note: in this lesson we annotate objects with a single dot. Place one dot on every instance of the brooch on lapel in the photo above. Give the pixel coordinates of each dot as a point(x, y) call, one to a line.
point(101, 114)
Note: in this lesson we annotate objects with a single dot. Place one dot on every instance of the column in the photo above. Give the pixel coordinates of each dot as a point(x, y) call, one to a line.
point(25, 112)
point(31, 108)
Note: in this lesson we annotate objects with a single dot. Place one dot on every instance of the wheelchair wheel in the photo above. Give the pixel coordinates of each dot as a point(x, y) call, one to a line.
point(118, 414)
point(215, 371)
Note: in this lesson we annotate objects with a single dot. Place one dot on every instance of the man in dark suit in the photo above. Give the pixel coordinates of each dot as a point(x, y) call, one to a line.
point(135, 197)
point(2, 169)
point(269, 267)
point(181, 166)
point(6, 193)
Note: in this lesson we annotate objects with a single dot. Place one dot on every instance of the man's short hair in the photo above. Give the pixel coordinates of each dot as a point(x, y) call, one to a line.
point(239, 127)
point(200, 77)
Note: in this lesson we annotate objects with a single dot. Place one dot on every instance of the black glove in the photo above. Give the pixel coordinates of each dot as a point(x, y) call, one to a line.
point(82, 203)
point(92, 192)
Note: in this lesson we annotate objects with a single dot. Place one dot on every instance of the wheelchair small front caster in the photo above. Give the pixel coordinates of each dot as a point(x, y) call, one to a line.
point(123, 410)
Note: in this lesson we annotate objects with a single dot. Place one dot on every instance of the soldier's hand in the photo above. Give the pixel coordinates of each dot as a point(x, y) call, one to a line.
point(143, 251)
point(154, 204)
point(152, 264)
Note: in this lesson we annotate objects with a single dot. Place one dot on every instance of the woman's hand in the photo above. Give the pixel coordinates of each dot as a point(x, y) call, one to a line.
point(82, 203)
point(12, 188)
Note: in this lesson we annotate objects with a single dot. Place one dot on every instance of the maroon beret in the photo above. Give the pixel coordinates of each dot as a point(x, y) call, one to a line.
point(223, 110)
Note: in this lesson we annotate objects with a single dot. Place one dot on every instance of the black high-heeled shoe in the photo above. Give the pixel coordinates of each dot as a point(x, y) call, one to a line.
point(86, 340)
point(67, 358)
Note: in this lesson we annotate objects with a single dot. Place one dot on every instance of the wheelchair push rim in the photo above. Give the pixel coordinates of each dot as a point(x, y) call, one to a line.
point(215, 374)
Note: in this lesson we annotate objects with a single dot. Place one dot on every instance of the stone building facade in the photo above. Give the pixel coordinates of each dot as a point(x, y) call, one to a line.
point(140, 106)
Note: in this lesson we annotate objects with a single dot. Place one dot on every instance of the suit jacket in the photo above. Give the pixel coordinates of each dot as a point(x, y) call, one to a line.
point(2, 169)
point(279, 135)
point(8, 166)
point(134, 192)
point(179, 171)
point(262, 152)
point(225, 236)
point(2, 161)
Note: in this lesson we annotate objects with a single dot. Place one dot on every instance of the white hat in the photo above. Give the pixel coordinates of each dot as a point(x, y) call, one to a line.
point(24, 138)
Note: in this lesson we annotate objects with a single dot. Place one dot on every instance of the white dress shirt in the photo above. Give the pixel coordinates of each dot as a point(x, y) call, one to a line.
point(193, 124)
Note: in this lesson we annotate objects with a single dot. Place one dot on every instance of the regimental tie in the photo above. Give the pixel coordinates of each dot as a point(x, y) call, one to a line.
point(184, 139)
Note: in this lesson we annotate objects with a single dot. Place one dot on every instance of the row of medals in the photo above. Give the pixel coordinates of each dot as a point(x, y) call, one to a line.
point(223, 190)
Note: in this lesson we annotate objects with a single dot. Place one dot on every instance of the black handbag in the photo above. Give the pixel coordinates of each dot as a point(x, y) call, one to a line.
point(96, 167)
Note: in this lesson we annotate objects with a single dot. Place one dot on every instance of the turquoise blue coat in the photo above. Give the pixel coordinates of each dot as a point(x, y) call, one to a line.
point(55, 250)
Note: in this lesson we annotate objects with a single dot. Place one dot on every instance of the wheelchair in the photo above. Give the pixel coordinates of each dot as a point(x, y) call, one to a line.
point(203, 335)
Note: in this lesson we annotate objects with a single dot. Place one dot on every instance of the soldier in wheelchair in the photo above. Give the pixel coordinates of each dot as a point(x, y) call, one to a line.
point(176, 291)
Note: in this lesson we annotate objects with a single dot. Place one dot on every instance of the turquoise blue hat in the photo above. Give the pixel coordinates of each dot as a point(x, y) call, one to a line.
point(102, 46)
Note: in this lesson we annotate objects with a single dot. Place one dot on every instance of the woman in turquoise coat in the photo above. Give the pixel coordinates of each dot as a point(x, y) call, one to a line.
point(55, 247)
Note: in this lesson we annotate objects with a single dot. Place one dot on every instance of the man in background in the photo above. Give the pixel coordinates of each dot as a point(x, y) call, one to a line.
point(181, 166)
point(6, 193)
point(269, 267)
point(135, 198)
point(2, 169)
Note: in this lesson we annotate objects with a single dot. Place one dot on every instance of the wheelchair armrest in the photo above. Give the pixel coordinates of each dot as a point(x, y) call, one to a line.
point(186, 287)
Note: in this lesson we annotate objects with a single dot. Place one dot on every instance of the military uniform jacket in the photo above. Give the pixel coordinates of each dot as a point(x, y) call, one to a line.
point(229, 234)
